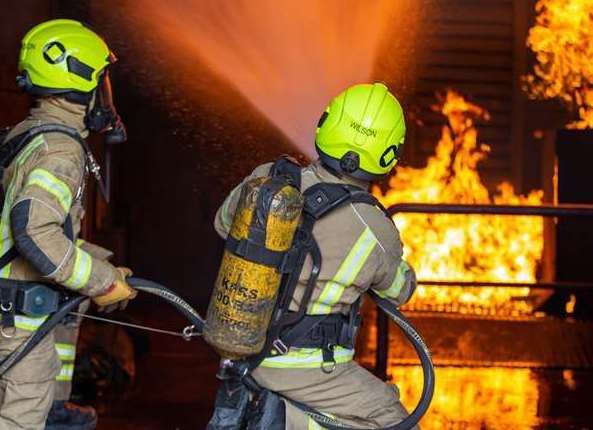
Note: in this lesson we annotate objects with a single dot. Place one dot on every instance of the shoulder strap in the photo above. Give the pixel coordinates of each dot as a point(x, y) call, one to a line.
point(12, 147)
point(322, 198)
point(288, 167)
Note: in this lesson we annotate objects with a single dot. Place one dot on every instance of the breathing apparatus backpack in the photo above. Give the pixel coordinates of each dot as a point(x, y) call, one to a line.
point(270, 237)
point(254, 263)
point(248, 316)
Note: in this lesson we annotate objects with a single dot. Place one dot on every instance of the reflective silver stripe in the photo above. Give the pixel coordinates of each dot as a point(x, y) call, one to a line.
point(347, 273)
point(66, 372)
point(66, 351)
point(28, 323)
point(306, 358)
point(81, 272)
point(398, 283)
point(312, 425)
point(51, 184)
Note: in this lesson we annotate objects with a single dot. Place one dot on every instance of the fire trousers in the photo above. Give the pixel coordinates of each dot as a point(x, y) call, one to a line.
point(66, 335)
point(350, 394)
point(27, 389)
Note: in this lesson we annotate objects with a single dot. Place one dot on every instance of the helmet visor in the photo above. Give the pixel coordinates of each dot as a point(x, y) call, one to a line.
point(103, 117)
point(104, 93)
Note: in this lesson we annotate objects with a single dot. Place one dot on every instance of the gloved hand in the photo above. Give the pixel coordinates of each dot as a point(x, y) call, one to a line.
point(118, 294)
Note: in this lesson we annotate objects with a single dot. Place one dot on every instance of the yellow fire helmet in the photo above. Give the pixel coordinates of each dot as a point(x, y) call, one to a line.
point(63, 57)
point(361, 132)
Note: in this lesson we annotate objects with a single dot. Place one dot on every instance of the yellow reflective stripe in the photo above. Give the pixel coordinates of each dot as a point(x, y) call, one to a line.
point(313, 425)
point(66, 372)
point(81, 272)
point(66, 351)
point(346, 274)
point(50, 183)
point(28, 323)
point(398, 283)
point(306, 358)
point(6, 241)
point(32, 146)
point(79, 242)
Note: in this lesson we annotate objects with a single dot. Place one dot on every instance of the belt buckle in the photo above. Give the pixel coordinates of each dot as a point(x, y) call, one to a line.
point(280, 346)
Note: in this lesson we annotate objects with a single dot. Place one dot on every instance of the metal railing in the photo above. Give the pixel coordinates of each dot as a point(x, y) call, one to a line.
point(554, 211)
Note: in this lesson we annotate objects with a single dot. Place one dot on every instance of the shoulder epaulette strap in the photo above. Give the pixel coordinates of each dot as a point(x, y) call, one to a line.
point(288, 167)
point(322, 198)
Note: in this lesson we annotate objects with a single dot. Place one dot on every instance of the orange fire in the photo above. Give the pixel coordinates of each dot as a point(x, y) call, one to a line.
point(461, 247)
point(474, 398)
point(561, 40)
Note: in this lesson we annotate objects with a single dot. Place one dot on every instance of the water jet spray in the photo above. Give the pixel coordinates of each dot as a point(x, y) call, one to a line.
point(288, 59)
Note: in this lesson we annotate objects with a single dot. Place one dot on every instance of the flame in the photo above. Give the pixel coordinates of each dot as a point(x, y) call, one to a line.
point(460, 247)
point(473, 398)
point(561, 40)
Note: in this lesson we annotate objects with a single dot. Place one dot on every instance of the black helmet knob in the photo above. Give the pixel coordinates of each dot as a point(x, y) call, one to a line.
point(350, 162)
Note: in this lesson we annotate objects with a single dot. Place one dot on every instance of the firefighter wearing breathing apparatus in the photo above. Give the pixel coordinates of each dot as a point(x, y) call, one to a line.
point(45, 162)
point(288, 318)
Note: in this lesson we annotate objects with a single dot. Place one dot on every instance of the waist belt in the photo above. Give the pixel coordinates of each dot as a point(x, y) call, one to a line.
point(32, 299)
point(321, 331)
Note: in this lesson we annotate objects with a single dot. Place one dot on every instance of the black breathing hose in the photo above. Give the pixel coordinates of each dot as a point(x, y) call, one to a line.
point(197, 321)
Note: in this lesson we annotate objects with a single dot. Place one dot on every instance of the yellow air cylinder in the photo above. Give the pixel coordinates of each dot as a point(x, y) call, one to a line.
point(245, 292)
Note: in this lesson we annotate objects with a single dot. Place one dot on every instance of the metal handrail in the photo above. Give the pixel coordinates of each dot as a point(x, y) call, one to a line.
point(571, 286)
point(561, 210)
point(467, 209)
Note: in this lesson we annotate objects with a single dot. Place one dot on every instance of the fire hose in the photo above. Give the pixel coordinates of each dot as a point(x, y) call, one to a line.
point(70, 304)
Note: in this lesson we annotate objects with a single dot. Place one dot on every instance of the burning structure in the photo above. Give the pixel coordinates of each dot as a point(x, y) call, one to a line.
point(465, 248)
point(561, 41)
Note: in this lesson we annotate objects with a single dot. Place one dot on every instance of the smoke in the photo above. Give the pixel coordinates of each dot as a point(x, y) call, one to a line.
point(288, 58)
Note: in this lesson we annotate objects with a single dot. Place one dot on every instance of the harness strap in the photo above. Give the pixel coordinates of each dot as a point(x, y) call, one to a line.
point(8, 257)
point(255, 252)
point(288, 167)
point(12, 147)
point(7, 305)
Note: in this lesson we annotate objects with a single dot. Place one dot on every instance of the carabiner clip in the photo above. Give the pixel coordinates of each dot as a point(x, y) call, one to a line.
point(188, 332)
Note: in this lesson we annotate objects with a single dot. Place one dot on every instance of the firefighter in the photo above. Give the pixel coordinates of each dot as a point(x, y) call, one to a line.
point(359, 140)
point(63, 65)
